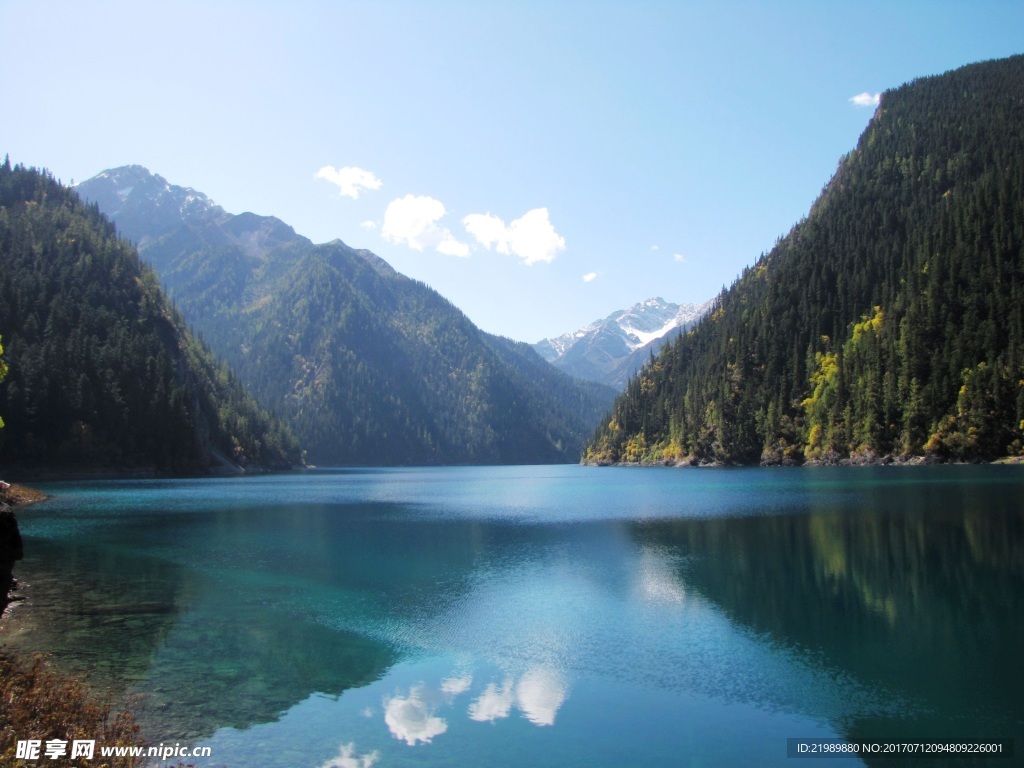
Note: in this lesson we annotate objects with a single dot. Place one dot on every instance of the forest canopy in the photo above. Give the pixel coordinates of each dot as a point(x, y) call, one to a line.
point(888, 323)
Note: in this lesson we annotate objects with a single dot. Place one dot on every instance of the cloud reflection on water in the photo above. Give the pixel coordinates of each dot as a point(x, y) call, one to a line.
point(456, 684)
point(657, 580)
point(494, 703)
point(347, 758)
point(538, 694)
point(411, 718)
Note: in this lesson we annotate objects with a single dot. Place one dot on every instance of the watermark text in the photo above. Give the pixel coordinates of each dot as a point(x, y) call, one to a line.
point(85, 749)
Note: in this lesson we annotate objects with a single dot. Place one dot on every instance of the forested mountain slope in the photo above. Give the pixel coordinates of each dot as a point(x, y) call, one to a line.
point(103, 373)
point(889, 322)
point(366, 365)
point(371, 367)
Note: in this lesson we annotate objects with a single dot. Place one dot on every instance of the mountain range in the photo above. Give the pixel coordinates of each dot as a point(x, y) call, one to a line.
point(612, 349)
point(102, 373)
point(366, 365)
point(886, 325)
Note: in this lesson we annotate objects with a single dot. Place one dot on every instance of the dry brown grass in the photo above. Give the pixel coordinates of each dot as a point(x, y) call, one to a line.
point(38, 703)
point(19, 495)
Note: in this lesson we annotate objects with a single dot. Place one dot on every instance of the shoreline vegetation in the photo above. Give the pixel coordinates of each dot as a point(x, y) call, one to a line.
point(36, 700)
point(17, 495)
point(862, 460)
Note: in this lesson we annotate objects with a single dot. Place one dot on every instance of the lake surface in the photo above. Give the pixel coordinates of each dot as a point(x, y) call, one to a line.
point(543, 616)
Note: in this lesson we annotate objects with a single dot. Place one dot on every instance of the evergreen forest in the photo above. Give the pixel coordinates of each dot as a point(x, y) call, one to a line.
point(102, 372)
point(887, 324)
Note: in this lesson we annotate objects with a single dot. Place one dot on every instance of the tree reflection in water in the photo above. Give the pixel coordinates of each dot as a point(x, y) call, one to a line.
point(916, 591)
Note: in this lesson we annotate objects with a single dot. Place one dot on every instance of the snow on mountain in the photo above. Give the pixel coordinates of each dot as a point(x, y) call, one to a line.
point(610, 350)
point(149, 210)
point(134, 186)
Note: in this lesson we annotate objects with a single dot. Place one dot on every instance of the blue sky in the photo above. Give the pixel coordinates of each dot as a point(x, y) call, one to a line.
point(541, 164)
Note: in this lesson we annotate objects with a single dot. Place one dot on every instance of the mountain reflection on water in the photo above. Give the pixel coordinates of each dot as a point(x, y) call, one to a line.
point(915, 589)
point(491, 615)
point(200, 657)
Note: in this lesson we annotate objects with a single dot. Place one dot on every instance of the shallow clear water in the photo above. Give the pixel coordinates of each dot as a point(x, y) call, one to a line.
point(539, 615)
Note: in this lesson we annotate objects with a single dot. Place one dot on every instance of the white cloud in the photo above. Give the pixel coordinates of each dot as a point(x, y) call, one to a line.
point(589, 277)
point(866, 99)
point(655, 248)
point(531, 237)
point(412, 220)
point(410, 719)
point(369, 225)
point(679, 257)
point(452, 247)
point(350, 181)
point(488, 229)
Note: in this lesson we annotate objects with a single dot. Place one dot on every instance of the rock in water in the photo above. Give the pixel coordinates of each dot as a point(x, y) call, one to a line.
point(10, 552)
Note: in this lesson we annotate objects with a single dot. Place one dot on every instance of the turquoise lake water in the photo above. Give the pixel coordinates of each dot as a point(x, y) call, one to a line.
point(543, 616)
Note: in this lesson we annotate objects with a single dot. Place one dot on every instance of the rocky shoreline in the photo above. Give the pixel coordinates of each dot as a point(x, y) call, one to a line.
point(11, 549)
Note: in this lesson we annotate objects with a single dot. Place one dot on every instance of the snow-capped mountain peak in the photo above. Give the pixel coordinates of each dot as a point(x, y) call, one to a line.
point(610, 350)
point(131, 193)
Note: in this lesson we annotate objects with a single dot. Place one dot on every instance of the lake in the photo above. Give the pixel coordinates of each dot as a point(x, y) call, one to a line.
point(543, 616)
